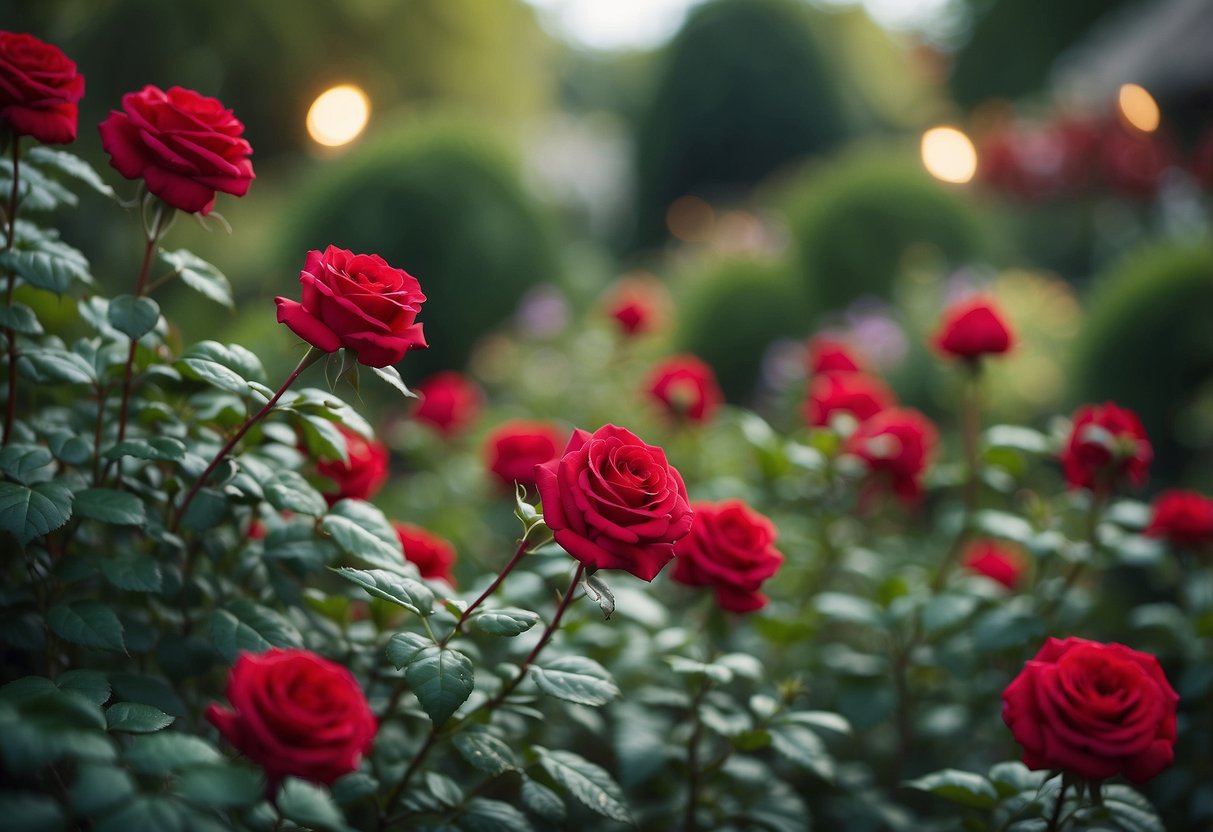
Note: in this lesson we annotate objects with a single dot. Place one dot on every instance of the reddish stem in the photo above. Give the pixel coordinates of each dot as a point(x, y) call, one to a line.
point(484, 596)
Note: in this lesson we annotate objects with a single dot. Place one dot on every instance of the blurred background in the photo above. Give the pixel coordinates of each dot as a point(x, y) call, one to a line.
point(773, 168)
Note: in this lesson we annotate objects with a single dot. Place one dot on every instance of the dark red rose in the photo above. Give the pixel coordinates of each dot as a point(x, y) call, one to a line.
point(973, 328)
point(359, 302)
point(858, 394)
point(996, 560)
point(1107, 444)
point(1185, 518)
point(896, 446)
point(614, 502)
point(183, 145)
point(450, 402)
point(360, 478)
point(515, 448)
point(637, 306)
point(731, 548)
point(296, 715)
point(432, 555)
point(1093, 710)
point(1133, 162)
point(39, 89)
point(686, 388)
point(830, 355)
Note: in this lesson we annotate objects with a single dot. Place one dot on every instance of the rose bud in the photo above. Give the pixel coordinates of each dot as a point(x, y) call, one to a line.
point(1107, 444)
point(860, 395)
point(296, 715)
point(364, 474)
point(1184, 518)
point(356, 301)
point(686, 388)
point(830, 355)
point(613, 502)
point(1092, 710)
point(997, 561)
point(896, 446)
point(731, 548)
point(432, 555)
point(449, 402)
point(183, 145)
point(973, 328)
point(515, 448)
point(39, 89)
point(637, 306)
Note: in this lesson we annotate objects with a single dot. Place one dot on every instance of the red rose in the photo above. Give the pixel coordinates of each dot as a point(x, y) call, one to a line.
point(860, 395)
point(731, 548)
point(614, 502)
point(1185, 518)
point(39, 89)
point(515, 448)
point(830, 355)
point(686, 388)
point(449, 402)
point(359, 302)
point(996, 561)
point(1107, 443)
point(637, 306)
point(1094, 710)
point(973, 328)
point(295, 714)
point(185, 146)
point(1133, 162)
point(361, 477)
point(896, 445)
point(432, 555)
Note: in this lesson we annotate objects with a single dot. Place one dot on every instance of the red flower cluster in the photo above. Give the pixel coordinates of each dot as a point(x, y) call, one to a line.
point(432, 555)
point(686, 389)
point(1107, 444)
point(996, 560)
point(450, 402)
point(515, 448)
point(1184, 518)
point(364, 474)
point(1093, 710)
point(860, 395)
point(973, 328)
point(731, 548)
point(39, 89)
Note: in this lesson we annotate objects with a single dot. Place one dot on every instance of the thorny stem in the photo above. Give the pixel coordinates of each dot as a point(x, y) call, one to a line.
point(10, 410)
point(523, 546)
point(309, 358)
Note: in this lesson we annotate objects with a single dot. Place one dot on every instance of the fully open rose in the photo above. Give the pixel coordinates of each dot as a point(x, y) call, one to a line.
point(432, 555)
point(685, 388)
point(39, 89)
point(356, 301)
point(1107, 444)
point(731, 548)
point(295, 714)
point(858, 394)
point(614, 502)
point(1185, 518)
point(1094, 710)
point(896, 445)
point(184, 146)
point(448, 402)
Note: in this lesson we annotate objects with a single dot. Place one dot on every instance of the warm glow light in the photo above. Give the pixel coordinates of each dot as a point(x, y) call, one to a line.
point(338, 115)
point(690, 219)
point(948, 154)
point(1138, 108)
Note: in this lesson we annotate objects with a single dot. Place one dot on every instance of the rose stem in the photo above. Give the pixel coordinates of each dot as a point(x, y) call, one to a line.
point(10, 411)
point(509, 567)
point(309, 358)
point(1093, 514)
point(970, 432)
point(690, 825)
point(159, 226)
point(1056, 816)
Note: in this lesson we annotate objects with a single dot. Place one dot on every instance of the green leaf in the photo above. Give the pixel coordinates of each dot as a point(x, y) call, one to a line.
point(361, 530)
point(200, 275)
point(133, 317)
point(576, 679)
point(20, 318)
point(217, 365)
point(71, 165)
point(392, 376)
point(44, 365)
point(69, 448)
point(406, 592)
point(1018, 438)
point(946, 611)
point(48, 264)
point(484, 815)
point(98, 788)
point(169, 751)
point(289, 491)
point(508, 621)
point(221, 786)
point(110, 506)
point(824, 720)
point(1013, 778)
point(136, 718)
point(403, 648)
point(31, 812)
point(544, 802)
point(441, 678)
point(717, 673)
point(485, 751)
point(801, 747)
point(159, 448)
point(29, 512)
point(354, 786)
point(587, 782)
point(91, 684)
point(87, 623)
point(145, 813)
point(24, 462)
point(850, 609)
point(245, 626)
point(309, 806)
point(1004, 524)
point(1130, 809)
point(965, 787)
point(598, 592)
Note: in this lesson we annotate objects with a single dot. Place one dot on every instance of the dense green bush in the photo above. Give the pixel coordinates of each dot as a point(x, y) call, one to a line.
point(743, 91)
point(857, 220)
point(1148, 344)
point(448, 203)
point(729, 314)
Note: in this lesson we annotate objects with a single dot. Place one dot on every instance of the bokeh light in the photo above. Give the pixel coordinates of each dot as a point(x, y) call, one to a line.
point(948, 154)
point(338, 115)
point(691, 219)
point(1138, 108)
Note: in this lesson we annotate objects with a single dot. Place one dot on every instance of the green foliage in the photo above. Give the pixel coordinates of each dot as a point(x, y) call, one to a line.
point(744, 90)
